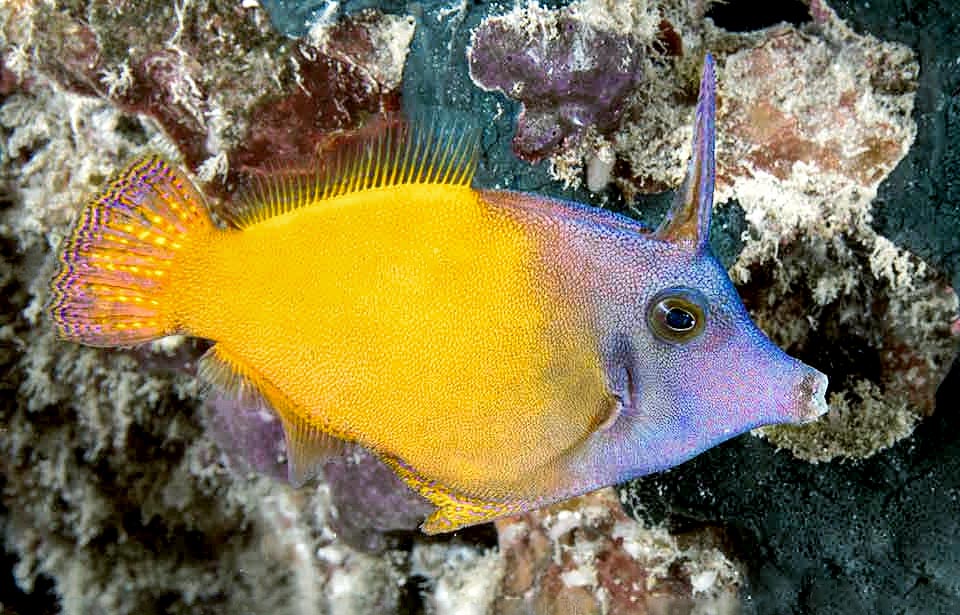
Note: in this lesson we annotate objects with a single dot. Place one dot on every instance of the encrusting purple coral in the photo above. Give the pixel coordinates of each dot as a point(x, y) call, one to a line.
point(249, 435)
point(567, 79)
point(370, 501)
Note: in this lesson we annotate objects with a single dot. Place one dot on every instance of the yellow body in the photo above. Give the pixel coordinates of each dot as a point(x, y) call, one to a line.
point(381, 301)
point(414, 319)
point(498, 350)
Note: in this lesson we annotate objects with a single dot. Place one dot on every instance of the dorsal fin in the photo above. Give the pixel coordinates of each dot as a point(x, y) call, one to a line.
point(688, 221)
point(439, 150)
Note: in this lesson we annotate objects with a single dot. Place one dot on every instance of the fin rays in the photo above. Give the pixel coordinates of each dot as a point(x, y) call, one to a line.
point(308, 445)
point(111, 286)
point(436, 151)
point(454, 510)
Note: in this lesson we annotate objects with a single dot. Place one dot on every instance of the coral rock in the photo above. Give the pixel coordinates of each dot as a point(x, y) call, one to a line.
point(587, 556)
point(568, 72)
point(370, 501)
point(804, 154)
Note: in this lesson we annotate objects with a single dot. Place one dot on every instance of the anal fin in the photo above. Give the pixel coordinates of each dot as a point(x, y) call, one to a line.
point(308, 445)
point(308, 448)
point(454, 511)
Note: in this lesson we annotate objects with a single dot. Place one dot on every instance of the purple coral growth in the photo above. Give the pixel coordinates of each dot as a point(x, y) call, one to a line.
point(248, 432)
point(579, 77)
point(371, 501)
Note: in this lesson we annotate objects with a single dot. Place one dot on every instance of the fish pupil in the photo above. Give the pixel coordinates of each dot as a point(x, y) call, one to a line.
point(680, 319)
point(677, 315)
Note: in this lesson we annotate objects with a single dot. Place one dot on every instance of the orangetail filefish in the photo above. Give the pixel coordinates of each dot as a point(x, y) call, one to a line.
point(498, 350)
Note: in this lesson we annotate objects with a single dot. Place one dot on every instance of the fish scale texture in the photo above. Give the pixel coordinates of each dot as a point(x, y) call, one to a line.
point(917, 534)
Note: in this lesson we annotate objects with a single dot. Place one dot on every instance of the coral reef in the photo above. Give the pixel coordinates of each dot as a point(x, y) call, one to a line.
point(569, 69)
point(916, 207)
point(871, 315)
point(194, 68)
point(345, 72)
point(121, 493)
point(229, 93)
point(296, 17)
point(460, 579)
point(581, 72)
point(586, 556)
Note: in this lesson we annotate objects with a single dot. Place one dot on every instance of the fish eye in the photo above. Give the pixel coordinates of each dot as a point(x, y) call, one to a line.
point(677, 315)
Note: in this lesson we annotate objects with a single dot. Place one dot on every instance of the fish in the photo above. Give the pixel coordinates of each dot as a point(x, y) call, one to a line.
point(498, 350)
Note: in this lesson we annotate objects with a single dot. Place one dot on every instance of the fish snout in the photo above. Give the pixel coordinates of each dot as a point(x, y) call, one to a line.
point(810, 395)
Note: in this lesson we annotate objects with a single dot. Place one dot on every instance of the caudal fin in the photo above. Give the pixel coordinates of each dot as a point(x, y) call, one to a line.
point(115, 265)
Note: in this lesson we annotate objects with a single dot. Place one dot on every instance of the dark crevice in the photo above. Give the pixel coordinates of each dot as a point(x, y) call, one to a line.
point(41, 600)
point(750, 15)
point(411, 595)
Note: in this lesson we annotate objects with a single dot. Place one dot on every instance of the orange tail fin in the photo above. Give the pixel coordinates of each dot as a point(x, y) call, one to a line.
point(115, 264)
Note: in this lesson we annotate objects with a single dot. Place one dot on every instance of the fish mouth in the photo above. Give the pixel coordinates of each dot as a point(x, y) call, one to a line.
point(813, 389)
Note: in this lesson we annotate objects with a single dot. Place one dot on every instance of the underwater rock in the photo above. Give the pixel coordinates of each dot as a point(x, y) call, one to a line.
point(229, 93)
point(586, 556)
point(345, 72)
point(173, 63)
point(369, 501)
point(804, 155)
point(568, 71)
point(455, 577)
point(597, 80)
point(918, 207)
point(295, 17)
point(885, 338)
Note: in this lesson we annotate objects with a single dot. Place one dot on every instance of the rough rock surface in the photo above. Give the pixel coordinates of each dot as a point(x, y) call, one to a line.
point(585, 556)
point(117, 497)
